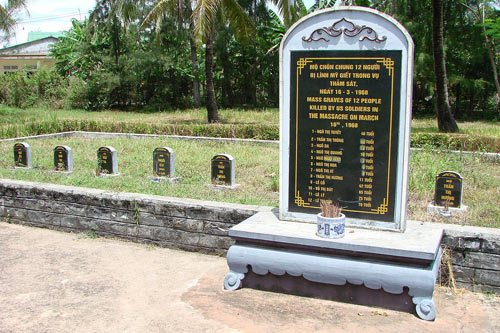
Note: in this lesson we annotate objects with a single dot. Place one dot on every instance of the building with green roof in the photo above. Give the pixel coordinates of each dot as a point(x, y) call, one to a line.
point(36, 35)
point(32, 55)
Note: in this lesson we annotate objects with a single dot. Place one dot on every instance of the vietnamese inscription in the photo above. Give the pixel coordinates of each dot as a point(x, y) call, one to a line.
point(448, 191)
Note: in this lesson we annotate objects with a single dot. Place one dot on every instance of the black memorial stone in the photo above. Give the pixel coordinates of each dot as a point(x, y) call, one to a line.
point(22, 155)
point(344, 118)
point(63, 158)
point(107, 160)
point(163, 162)
point(448, 190)
point(223, 170)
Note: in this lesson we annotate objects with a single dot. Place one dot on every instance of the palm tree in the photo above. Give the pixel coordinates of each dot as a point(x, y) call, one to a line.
point(204, 17)
point(7, 16)
point(183, 11)
point(114, 16)
point(292, 13)
point(479, 12)
point(446, 121)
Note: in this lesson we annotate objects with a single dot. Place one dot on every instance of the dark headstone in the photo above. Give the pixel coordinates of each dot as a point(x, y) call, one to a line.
point(22, 155)
point(448, 191)
point(107, 161)
point(63, 159)
point(345, 149)
point(223, 170)
point(164, 162)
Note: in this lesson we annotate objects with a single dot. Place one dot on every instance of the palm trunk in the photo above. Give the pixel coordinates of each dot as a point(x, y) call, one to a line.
point(194, 60)
point(196, 79)
point(491, 55)
point(226, 93)
point(212, 112)
point(394, 7)
point(446, 121)
point(494, 67)
point(253, 68)
point(253, 79)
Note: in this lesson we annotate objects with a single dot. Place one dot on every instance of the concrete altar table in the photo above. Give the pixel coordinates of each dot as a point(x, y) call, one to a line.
point(386, 260)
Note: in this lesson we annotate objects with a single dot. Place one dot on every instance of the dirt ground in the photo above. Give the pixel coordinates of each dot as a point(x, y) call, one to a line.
point(57, 282)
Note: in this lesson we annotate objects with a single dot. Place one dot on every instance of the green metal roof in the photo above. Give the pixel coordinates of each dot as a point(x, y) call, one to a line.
point(36, 35)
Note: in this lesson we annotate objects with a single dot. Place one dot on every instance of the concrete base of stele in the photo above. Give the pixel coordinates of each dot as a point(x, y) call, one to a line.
point(379, 268)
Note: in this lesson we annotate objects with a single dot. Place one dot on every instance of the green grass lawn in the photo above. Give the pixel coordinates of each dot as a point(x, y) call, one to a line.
point(256, 124)
point(256, 167)
point(257, 170)
point(479, 128)
point(270, 117)
point(13, 116)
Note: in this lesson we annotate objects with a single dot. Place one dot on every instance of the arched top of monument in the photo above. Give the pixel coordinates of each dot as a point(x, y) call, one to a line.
point(347, 28)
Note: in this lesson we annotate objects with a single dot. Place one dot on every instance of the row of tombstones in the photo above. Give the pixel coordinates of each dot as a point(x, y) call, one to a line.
point(448, 188)
point(222, 165)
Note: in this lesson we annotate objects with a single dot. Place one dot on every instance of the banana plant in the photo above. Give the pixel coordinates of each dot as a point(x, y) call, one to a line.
point(285, 18)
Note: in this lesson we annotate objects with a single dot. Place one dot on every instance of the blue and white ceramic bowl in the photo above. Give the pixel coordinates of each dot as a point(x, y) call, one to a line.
point(331, 227)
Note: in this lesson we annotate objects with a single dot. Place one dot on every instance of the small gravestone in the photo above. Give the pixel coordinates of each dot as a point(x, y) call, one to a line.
point(163, 165)
point(107, 161)
point(22, 155)
point(223, 171)
point(447, 194)
point(63, 159)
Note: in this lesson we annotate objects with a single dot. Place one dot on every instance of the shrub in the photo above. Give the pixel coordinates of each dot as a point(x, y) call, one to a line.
point(455, 142)
point(24, 89)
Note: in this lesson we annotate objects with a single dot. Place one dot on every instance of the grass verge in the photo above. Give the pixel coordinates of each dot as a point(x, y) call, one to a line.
point(256, 167)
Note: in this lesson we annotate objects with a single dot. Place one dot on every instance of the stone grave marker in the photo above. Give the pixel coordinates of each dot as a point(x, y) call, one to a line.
point(163, 162)
point(223, 170)
point(447, 193)
point(346, 110)
point(107, 161)
point(63, 159)
point(448, 189)
point(22, 155)
point(164, 165)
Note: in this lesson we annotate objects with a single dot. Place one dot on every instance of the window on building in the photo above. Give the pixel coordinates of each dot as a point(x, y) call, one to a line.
point(10, 68)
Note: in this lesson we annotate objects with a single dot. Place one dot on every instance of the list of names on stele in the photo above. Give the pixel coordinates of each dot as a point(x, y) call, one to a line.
point(344, 117)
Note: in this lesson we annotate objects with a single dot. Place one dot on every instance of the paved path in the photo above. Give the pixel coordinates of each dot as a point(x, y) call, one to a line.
point(57, 282)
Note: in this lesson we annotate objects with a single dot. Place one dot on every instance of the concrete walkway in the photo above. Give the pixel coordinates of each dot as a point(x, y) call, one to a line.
point(56, 282)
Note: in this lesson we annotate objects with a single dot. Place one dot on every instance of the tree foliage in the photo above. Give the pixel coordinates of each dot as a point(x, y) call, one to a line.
point(470, 81)
point(8, 13)
point(158, 55)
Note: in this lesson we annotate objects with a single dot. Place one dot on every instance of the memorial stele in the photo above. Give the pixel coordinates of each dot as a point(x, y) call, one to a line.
point(345, 99)
point(345, 104)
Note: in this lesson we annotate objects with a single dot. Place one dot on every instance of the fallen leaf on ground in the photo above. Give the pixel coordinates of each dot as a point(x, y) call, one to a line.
point(379, 313)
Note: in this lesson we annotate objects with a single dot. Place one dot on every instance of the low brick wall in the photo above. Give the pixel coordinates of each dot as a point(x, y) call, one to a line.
point(186, 224)
point(202, 226)
point(475, 256)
